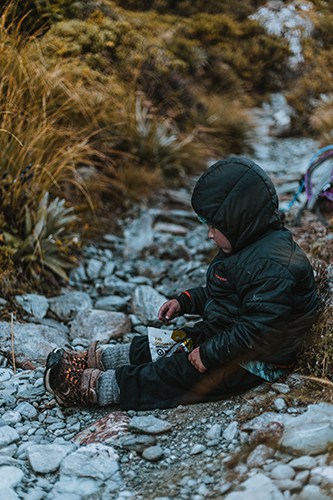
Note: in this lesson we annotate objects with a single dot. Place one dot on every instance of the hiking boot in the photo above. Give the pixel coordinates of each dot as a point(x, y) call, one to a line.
point(68, 377)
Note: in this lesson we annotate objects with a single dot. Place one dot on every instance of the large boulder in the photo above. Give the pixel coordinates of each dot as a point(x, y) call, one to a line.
point(100, 325)
point(31, 342)
point(69, 304)
point(146, 303)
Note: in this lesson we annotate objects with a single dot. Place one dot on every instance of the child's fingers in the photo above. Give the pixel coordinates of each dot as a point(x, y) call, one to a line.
point(163, 312)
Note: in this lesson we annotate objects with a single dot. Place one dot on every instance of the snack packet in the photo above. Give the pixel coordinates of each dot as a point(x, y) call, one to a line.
point(164, 343)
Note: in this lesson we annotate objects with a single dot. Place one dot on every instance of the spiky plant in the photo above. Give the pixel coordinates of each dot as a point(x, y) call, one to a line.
point(45, 239)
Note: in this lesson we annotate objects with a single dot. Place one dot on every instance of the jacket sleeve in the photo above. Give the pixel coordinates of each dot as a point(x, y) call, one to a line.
point(265, 308)
point(193, 301)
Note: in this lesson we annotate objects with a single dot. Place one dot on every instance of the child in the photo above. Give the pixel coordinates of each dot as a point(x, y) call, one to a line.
point(258, 303)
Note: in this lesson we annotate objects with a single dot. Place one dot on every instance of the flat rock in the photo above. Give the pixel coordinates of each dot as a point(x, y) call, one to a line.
point(46, 458)
point(8, 435)
point(75, 488)
point(96, 324)
point(149, 425)
point(147, 302)
point(303, 463)
point(112, 303)
point(137, 442)
point(27, 410)
point(153, 453)
point(257, 487)
point(8, 493)
point(5, 374)
point(32, 342)
point(10, 476)
point(68, 305)
point(34, 304)
point(94, 461)
point(310, 433)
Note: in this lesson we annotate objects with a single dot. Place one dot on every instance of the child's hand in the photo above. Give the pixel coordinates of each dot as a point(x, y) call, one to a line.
point(195, 359)
point(169, 310)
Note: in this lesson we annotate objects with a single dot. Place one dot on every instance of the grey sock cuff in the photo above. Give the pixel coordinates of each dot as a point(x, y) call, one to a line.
point(108, 391)
point(115, 356)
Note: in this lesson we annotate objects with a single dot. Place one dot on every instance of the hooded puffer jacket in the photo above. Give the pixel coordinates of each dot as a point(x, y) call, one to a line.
point(260, 300)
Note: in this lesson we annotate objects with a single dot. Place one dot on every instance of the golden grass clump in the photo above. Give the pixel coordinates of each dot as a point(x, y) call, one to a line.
point(39, 153)
point(321, 120)
point(311, 92)
point(317, 356)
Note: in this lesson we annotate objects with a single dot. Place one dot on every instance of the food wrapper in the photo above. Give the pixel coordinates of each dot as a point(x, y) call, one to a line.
point(164, 343)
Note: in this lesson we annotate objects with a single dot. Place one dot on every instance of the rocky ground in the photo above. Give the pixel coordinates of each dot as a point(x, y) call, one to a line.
point(266, 444)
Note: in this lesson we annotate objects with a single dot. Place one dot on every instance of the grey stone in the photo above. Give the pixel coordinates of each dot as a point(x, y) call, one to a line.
point(137, 442)
point(34, 304)
point(112, 303)
point(280, 404)
point(153, 453)
point(32, 342)
point(95, 461)
point(214, 432)
point(107, 270)
point(68, 305)
point(93, 268)
point(326, 473)
point(259, 455)
point(8, 435)
point(261, 421)
point(8, 493)
point(77, 275)
point(197, 449)
point(100, 325)
point(5, 374)
point(288, 484)
point(12, 417)
point(46, 458)
point(147, 302)
point(75, 488)
point(305, 462)
point(27, 410)
point(310, 433)
point(139, 235)
point(313, 492)
point(9, 450)
point(10, 476)
point(230, 431)
point(302, 476)
point(257, 487)
point(282, 471)
point(113, 285)
point(149, 425)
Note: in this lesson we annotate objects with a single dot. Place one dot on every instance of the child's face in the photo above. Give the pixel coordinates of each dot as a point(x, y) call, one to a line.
point(219, 239)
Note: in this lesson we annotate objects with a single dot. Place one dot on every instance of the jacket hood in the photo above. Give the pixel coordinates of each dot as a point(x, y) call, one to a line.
point(238, 198)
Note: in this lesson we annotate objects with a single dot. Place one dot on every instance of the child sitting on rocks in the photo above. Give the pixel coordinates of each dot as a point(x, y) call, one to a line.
point(258, 303)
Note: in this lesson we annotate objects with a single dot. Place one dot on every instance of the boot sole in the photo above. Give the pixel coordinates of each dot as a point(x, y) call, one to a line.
point(52, 360)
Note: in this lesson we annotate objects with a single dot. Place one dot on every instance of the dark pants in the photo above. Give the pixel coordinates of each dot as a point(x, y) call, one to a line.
point(169, 382)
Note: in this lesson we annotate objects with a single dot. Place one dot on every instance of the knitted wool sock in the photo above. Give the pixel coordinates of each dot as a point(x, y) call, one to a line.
point(115, 356)
point(108, 391)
